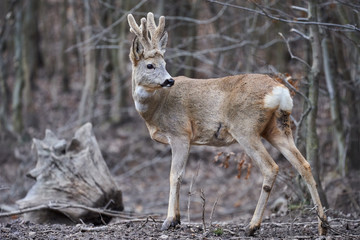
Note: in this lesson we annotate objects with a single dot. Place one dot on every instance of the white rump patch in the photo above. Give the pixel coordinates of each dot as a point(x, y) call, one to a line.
point(280, 98)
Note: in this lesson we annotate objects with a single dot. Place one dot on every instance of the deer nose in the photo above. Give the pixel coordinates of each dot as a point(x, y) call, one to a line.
point(168, 82)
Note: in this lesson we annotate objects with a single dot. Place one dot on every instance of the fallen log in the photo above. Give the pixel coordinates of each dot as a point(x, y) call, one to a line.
point(73, 173)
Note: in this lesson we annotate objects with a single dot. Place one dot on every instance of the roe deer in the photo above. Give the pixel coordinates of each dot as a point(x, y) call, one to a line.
point(181, 112)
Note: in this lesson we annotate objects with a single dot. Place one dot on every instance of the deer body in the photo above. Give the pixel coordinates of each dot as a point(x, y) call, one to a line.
point(205, 111)
point(217, 112)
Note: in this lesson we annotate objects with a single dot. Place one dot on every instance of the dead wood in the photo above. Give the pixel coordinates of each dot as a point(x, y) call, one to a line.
point(74, 173)
point(124, 216)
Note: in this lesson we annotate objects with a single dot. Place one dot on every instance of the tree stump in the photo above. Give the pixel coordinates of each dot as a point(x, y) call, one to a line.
point(73, 173)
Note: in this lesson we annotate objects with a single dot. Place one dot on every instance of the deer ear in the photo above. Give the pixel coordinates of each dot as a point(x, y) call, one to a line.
point(137, 49)
point(163, 41)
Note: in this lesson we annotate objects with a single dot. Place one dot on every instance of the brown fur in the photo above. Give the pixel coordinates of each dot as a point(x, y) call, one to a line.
point(214, 112)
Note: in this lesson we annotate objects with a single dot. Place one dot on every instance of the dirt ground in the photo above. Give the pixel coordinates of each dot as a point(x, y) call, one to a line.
point(229, 201)
point(141, 169)
point(300, 226)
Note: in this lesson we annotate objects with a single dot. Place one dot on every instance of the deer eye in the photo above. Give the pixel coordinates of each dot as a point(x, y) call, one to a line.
point(150, 66)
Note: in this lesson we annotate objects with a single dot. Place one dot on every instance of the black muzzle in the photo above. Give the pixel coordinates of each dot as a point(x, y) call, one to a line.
point(168, 82)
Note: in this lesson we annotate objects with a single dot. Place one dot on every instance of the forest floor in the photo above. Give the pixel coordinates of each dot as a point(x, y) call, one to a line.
point(142, 174)
point(141, 169)
point(301, 226)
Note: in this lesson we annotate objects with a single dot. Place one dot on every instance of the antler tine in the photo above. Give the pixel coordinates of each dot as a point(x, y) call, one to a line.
point(155, 31)
point(144, 33)
point(134, 28)
point(141, 32)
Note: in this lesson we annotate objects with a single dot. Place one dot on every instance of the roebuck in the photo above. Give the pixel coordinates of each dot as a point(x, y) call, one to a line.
point(182, 112)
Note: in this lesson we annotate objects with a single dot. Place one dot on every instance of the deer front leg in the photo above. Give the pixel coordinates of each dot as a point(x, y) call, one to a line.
point(180, 153)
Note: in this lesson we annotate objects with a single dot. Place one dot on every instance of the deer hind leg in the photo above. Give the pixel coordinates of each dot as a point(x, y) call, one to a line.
point(180, 153)
point(256, 150)
point(280, 137)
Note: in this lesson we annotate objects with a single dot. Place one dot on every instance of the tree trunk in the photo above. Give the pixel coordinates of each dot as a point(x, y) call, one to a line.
point(63, 63)
point(192, 32)
point(31, 41)
point(334, 109)
point(77, 38)
point(349, 64)
point(312, 141)
point(17, 96)
point(3, 95)
point(108, 66)
point(32, 58)
point(87, 103)
point(4, 90)
point(121, 73)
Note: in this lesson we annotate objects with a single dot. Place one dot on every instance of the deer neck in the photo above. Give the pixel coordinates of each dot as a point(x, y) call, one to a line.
point(147, 101)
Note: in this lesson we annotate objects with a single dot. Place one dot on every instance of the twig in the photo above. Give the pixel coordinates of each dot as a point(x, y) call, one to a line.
point(108, 204)
point(142, 225)
point(325, 224)
point(200, 53)
point(141, 167)
point(134, 220)
point(199, 22)
point(4, 188)
point(102, 219)
point(349, 4)
point(345, 220)
point(300, 8)
point(300, 33)
point(94, 229)
point(229, 231)
point(202, 196)
point(290, 52)
point(264, 13)
point(106, 30)
point(213, 209)
point(59, 206)
point(292, 224)
point(193, 179)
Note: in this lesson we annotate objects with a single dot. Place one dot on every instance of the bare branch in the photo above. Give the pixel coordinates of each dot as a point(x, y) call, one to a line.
point(303, 10)
point(97, 37)
point(202, 196)
point(4, 188)
point(341, 27)
point(300, 33)
point(59, 206)
point(213, 209)
point(193, 179)
point(290, 52)
point(200, 22)
point(349, 4)
point(141, 167)
point(300, 9)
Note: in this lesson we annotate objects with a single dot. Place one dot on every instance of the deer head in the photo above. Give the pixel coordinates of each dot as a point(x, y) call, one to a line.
point(147, 53)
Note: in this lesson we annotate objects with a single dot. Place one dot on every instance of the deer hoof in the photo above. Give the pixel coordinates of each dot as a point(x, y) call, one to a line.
point(250, 230)
point(170, 222)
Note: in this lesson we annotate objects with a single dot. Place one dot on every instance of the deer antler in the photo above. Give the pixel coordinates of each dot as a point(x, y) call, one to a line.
point(146, 28)
point(156, 32)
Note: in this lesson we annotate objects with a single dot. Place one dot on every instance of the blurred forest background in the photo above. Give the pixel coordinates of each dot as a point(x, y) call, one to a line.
point(65, 62)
